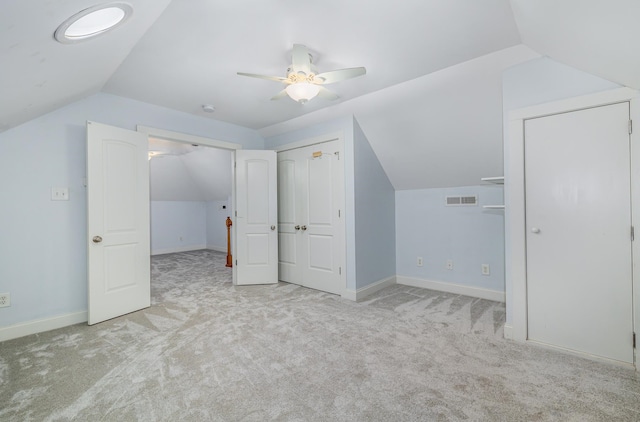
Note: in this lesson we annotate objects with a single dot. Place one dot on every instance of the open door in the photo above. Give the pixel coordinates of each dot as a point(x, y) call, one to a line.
point(118, 246)
point(256, 258)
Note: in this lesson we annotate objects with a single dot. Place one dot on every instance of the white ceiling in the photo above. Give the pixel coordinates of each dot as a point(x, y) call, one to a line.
point(429, 63)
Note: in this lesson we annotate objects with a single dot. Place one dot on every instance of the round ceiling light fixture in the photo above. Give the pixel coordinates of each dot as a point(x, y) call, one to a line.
point(91, 22)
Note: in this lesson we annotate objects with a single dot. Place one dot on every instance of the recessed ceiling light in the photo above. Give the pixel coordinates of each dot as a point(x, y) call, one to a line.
point(91, 22)
point(208, 108)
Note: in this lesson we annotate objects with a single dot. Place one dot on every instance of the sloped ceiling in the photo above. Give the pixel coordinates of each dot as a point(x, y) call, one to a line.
point(195, 48)
point(182, 172)
point(598, 37)
point(430, 98)
point(38, 74)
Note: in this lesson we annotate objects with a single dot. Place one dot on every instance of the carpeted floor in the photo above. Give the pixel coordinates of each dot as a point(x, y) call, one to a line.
point(209, 351)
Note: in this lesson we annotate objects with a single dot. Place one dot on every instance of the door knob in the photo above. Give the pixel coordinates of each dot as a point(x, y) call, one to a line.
point(273, 227)
point(303, 228)
point(297, 227)
point(535, 230)
point(97, 239)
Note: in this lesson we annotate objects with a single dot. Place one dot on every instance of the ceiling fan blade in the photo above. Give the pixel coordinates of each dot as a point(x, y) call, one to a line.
point(300, 61)
point(270, 78)
point(280, 95)
point(339, 75)
point(325, 94)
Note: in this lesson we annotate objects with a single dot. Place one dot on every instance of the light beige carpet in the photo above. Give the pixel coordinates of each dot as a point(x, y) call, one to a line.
point(209, 351)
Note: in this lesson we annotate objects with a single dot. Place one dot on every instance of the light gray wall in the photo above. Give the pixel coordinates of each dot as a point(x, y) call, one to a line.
point(178, 226)
point(375, 215)
point(43, 243)
point(536, 82)
point(468, 235)
point(216, 224)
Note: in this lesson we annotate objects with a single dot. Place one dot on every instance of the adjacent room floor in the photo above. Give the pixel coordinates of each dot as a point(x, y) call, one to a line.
point(209, 351)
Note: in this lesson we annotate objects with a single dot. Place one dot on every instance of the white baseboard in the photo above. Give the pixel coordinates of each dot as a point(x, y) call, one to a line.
point(459, 289)
point(41, 325)
point(218, 248)
point(365, 291)
point(508, 331)
point(178, 249)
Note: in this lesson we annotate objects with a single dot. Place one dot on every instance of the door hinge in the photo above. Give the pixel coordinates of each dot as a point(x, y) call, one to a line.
point(340, 273)
point(236, 213)
point(633, 233)
point(236, 262)
point(338, 213)
point(634, 340)
point(630, 127)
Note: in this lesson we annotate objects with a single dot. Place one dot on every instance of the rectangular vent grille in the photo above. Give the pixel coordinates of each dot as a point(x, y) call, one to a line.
point(462, 200)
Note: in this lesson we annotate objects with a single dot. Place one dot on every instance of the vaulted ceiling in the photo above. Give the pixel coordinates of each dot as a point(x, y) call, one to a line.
point(428, 63)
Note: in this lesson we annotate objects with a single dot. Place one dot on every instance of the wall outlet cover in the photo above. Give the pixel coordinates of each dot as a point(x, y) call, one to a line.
point(5, 300)
point(449, 264)
point(485, 269)
point(59, 194)
point(419, 262)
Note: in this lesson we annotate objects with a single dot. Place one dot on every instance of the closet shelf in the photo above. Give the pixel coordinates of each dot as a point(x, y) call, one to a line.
point(499, 180)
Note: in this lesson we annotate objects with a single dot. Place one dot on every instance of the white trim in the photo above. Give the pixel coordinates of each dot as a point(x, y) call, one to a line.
point(217, 248)
point(572, 104)
point(508, 331)
point(442, 286)
point(178, 249)
point(41, 325)
point(578, 353)
point(336, 136)
point(515, 239)
point(361, 293)
point(186, 138)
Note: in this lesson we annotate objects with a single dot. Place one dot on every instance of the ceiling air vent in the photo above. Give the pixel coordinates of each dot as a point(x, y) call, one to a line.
point(461, 200)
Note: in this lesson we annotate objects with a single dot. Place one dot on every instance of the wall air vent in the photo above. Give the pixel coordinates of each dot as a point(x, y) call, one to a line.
point(456, 201)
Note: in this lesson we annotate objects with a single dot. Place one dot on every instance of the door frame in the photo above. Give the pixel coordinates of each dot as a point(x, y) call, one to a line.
point(514, 192)
point(194, 139)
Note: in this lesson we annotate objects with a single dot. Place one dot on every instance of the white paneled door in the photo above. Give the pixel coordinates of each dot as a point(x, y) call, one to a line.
point(256, 219)
point(311, 220)
point(578, 219)
point(117, 221)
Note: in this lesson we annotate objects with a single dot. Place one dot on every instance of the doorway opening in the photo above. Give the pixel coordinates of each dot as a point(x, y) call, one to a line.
point(204, 167)
point(190, 196)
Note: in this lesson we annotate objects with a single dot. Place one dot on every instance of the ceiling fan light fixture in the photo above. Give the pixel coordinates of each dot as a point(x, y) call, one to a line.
point(302, 92)
point(93, 21)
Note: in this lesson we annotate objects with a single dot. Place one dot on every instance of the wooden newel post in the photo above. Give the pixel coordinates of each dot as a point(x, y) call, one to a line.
point(229, 257)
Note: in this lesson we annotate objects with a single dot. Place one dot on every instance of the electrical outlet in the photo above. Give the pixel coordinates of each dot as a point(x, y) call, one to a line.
point(5, 300)
point(449, 264)
point(485, 269)
point(419, 261)
point(59, 194)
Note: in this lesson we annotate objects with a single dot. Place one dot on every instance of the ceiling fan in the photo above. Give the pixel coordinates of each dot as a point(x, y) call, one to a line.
point(303, 82)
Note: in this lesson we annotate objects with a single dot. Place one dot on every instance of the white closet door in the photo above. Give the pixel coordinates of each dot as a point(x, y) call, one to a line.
point(256, 220)
point(289, 218)
point(579, 285)
point(311, 220)
point(323, 238)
